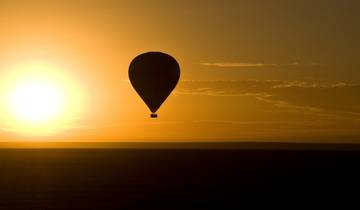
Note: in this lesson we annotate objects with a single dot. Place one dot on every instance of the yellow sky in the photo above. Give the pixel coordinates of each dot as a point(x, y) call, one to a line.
point(251, 70)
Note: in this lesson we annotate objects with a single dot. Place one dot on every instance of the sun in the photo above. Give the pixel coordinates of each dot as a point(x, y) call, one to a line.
point(39, 98)
point(36, 101)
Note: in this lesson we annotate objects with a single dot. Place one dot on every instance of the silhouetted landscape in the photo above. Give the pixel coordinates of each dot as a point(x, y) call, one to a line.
point(168, 178)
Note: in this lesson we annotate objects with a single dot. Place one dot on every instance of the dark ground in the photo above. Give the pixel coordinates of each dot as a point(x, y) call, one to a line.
point(172, 178)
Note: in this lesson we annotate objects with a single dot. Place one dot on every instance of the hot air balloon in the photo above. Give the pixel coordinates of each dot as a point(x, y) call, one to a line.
point(154, 75)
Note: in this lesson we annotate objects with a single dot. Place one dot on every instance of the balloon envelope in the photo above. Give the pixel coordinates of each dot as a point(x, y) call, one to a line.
point(154, 75)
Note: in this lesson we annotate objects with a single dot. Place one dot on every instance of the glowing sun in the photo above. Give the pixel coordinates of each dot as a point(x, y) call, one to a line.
point(39, 98)
point(36, 101)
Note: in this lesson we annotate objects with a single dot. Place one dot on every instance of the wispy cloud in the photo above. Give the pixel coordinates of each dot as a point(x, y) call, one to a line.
point(317, 97)
point(237, 64)
point(294, 64)
point(245, 64)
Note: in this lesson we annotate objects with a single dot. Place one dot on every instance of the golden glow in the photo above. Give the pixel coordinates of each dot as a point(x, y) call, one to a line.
point(39, 98)
point(36, 101)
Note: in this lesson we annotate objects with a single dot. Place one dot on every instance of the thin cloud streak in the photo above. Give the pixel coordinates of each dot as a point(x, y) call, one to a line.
point(244, 64)
point(236, 64)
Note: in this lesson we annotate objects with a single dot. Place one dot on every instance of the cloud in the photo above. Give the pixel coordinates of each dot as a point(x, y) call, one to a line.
point(299, 96)
point(302, 84)
point(220, 93)
point(236, 64)
point(293, 64)
point(226, 86)
point(245, 64)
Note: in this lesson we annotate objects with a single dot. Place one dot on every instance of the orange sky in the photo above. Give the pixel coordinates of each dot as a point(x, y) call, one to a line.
point(251, 70)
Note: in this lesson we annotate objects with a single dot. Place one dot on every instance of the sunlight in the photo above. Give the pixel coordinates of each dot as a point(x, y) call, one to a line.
point(39, 98)
point(36, 101)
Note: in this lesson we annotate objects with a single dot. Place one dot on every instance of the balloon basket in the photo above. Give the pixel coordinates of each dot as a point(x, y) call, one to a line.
point(153, 115)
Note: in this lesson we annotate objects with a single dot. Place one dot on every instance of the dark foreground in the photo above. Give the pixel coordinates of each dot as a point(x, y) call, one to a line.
point(171, 178)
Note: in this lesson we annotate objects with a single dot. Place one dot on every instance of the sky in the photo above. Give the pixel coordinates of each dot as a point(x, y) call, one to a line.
point(250, 70)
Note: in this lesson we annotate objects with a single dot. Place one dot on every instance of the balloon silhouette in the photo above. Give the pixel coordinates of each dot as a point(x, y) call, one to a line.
point(154, 75)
